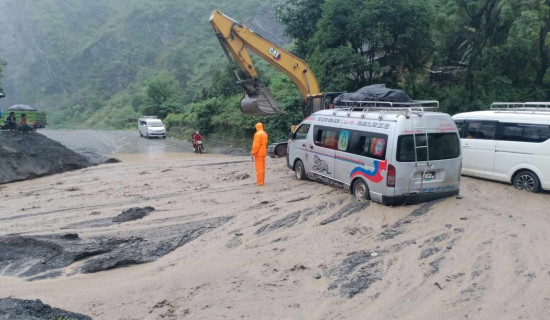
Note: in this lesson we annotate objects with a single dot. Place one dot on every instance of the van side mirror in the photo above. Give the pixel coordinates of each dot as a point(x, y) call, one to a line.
point(292, 136)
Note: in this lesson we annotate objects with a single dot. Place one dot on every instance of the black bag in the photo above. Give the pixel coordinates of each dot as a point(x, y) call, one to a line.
point(375, 92)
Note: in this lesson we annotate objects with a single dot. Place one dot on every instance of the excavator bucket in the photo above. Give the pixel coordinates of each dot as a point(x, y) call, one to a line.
point(261, 103)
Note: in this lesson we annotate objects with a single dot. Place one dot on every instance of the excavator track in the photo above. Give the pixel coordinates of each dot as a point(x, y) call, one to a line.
point(277, 149)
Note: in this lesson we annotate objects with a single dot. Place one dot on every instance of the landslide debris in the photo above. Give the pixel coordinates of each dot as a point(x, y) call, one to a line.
point(134, 213)
point(16, 309)
point(29, 155)
point(44, 256)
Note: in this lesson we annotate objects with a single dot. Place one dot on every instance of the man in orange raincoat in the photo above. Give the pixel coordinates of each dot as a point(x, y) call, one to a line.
point(259, 151)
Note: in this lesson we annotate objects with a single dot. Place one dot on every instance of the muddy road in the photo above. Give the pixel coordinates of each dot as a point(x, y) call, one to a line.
point(218, 246)
point(128, 145)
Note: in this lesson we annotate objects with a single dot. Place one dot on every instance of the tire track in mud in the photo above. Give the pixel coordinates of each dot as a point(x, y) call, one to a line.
point(301, 216)
point(360, 269)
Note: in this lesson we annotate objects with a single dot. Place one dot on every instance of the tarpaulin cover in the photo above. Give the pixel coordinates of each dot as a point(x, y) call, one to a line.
point(375, 92)
point(21, 107)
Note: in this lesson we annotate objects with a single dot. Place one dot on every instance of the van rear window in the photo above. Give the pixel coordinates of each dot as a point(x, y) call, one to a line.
point(524, 132)
point(442, 146)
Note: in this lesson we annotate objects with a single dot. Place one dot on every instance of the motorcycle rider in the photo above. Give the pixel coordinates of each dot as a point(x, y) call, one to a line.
point(196, 137)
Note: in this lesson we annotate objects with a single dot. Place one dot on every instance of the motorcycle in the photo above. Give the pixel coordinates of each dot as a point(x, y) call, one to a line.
point(198, 147)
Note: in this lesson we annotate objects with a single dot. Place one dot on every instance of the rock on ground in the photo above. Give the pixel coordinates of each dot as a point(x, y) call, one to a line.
point(16, 309)
point(30, 155)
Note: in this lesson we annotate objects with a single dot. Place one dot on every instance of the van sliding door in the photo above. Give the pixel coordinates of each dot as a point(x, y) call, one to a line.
point(320, 154)
point(478, 148)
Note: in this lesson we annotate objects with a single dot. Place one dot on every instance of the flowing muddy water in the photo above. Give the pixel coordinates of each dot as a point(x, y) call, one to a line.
point(129, 146)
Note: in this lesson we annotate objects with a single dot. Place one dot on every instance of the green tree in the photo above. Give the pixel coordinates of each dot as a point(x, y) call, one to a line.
point(300, 19)
point(358, 39)
point(544, 16)
point(481, 18)
point(162, 96)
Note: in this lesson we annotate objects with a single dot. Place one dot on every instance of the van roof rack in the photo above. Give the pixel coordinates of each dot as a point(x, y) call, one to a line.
point(525, 107)
point(411, 106)
point(149, 117)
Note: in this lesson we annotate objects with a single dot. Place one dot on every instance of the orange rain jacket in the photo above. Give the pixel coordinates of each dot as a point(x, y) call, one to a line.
point(259, 146)
point(259, 151)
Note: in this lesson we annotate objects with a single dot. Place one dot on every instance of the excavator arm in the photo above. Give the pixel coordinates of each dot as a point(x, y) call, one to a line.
point(236, 40)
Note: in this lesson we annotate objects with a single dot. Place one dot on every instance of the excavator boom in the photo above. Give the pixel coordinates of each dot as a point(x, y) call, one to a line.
point(236, 40)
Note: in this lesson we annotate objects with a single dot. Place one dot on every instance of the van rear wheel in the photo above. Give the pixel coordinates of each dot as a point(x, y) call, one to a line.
point(528, 181)
point(361, 190)
point(299, 170)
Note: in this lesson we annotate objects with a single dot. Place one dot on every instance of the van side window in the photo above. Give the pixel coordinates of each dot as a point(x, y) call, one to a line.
point(343, 140)
point(325, 137)
point(368, 144)
point(460, 127)
point(301, 132)
point(524, 132)
point(484, 130)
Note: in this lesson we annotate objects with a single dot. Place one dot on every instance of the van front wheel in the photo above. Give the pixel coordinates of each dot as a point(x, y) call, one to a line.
point(528, 181)
point(299, 170)
point(360, 189)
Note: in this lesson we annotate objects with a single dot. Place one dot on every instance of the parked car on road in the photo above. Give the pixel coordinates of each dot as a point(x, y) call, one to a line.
point(508, 143)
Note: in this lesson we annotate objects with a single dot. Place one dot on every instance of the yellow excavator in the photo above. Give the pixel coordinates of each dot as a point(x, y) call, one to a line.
point(236, 40)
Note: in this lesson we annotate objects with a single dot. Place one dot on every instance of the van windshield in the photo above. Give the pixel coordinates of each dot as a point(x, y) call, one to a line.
point(154, 123)
point(442, 146)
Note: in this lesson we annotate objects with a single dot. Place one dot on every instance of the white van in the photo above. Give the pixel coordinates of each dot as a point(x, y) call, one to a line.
point(391, 153)
point(509, 143)
point(151, 127)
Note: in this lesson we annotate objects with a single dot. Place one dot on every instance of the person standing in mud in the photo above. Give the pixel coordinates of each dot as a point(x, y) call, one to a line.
point(259, 151)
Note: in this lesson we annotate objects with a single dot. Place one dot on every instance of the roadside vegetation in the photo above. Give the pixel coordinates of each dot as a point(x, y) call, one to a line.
point(161, 58)
point(464, 53)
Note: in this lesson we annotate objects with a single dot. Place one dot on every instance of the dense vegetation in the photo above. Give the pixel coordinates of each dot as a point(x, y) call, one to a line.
point(161, 57)
point(97, 63)
point(464, 53)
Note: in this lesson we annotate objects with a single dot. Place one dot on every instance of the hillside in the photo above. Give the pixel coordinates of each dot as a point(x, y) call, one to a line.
point(93, 58)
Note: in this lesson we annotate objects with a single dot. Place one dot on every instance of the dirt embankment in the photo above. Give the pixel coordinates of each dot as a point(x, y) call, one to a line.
point(30, 155)
point(216, 246)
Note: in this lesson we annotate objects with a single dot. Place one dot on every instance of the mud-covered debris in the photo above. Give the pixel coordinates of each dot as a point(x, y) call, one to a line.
point(70, 236)
point(27, 156)
point(16, 309)
point(135, 213)
point(298, 199)
point(317, 275)
point(463, 218)
point(37, 256)
point(396, 229)
point(428, 252)
point(434, 267)
point(298, 267)
point(438, 285)
point(242, 176)
point(112, 160)
point(285, 222)
point(347, 210)
point(234, 242)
